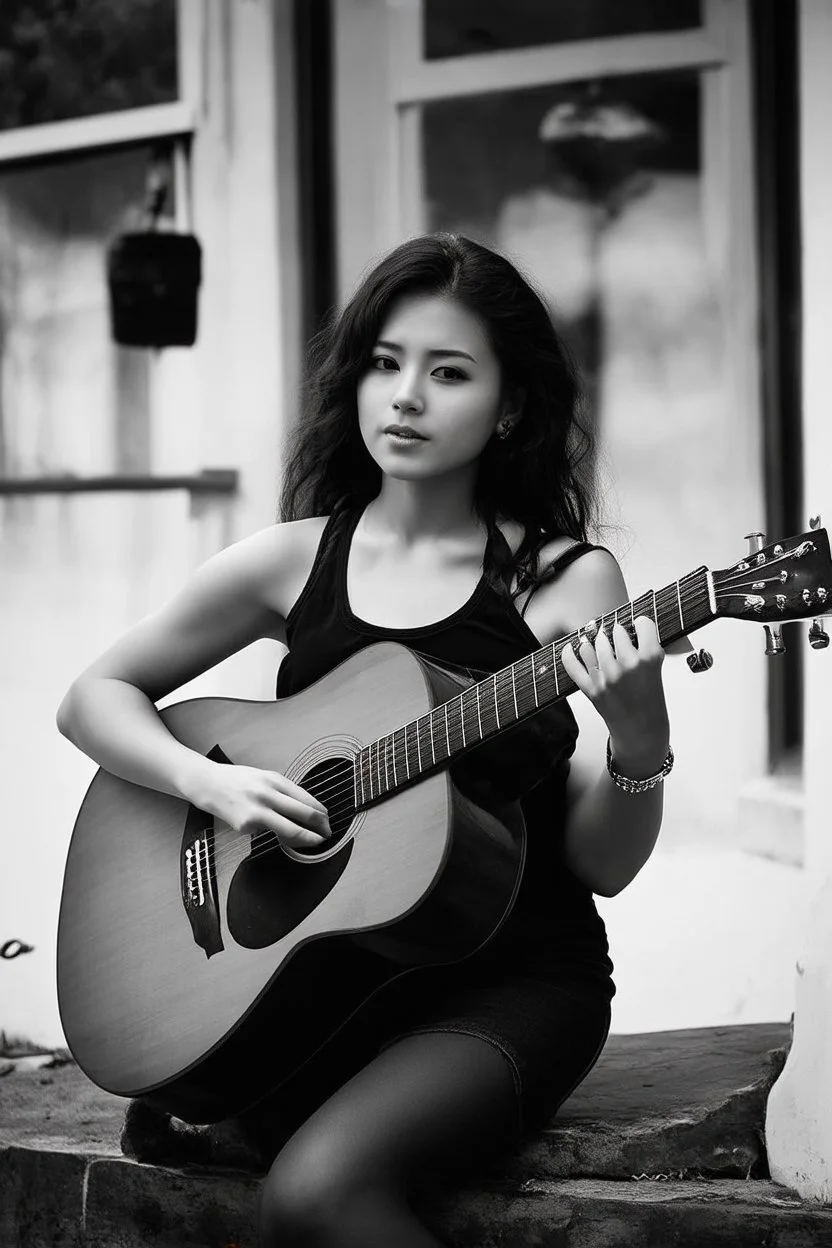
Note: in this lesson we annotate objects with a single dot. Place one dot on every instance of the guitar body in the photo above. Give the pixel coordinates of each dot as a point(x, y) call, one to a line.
point(200, 970)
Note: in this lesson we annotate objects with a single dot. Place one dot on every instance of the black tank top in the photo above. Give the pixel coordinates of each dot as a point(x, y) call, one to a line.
point(484, 635)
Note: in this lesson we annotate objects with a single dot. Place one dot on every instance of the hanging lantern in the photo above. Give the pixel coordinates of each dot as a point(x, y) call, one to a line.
point(153, 278)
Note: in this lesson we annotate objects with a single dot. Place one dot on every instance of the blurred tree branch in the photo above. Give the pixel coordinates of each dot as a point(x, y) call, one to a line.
point(61, 59)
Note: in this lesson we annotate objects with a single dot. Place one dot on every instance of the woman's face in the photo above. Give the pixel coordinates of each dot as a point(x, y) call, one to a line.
point(432, 371)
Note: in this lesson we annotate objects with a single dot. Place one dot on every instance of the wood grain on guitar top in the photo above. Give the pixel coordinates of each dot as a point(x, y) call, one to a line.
point(430, 875)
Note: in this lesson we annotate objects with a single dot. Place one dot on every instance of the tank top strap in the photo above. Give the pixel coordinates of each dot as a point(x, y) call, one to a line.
point(559, 564)
point(566, 557)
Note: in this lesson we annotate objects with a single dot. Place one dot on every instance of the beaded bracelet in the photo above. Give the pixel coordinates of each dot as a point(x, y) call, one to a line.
point(638, 786)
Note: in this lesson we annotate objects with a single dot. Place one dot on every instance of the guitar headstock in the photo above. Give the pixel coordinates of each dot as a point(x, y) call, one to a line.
point(787, 580)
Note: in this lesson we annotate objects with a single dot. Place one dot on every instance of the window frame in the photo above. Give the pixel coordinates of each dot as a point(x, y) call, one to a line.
point(177, 120)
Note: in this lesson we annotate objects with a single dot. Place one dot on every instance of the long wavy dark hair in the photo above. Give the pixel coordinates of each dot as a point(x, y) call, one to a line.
point(539, 475)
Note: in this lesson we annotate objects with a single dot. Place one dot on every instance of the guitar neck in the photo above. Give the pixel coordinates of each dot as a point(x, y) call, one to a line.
point(517, 692)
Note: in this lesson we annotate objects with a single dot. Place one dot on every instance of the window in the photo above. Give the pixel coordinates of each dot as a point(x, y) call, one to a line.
point(93, 97)
point(61, 60)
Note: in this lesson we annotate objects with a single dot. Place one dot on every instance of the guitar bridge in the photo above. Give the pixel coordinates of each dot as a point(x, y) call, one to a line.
point(198, 876)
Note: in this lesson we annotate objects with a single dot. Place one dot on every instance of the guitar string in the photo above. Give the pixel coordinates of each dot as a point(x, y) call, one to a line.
point(344, 789)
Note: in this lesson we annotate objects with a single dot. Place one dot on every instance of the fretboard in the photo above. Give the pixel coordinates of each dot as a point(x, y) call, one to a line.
point(515, 693)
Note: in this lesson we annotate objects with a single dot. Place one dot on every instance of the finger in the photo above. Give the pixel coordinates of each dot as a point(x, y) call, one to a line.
point(587, 655)
point(606, 656)
point(301, 813)
point(574, 668)
point(625, 650)
point(648, 637)
point(289, 833)
point(285, 785)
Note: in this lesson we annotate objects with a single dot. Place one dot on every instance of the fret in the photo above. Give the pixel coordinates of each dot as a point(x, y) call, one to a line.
point(496, 703)
point(534, 682)
point(545, 683)
point(506, 697)
point(413, 753)
point(432, 748)
point(407, 728)
point(386, 763)
point(378, 764)
point(403, 732)
point(359, 781)
point(565, 679)
point(487, 706)
point(479, 712)
point(447, 731)
point(462, 708)
point(522, 687)
point(435, 738)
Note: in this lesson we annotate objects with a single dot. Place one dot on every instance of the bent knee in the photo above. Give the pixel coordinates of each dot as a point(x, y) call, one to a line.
point(302, 1203)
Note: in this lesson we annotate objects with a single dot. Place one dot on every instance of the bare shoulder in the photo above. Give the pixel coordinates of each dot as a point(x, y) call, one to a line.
point(286, 573)
point(592, 585)
point(274, 564)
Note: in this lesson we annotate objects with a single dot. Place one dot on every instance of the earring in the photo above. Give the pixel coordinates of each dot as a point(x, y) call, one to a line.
point(504, 429)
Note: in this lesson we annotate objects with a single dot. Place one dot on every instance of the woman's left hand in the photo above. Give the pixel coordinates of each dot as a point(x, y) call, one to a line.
point(623, 682)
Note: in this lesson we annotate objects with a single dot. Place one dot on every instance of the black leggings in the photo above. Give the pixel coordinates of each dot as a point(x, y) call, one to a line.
point(428, 1105)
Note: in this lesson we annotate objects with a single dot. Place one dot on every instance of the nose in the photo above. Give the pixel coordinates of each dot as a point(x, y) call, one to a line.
point(407, 397)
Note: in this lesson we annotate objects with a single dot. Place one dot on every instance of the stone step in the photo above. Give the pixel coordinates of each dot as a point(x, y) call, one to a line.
point(684, 1104)
point(76, 1202)
point(622, 1163)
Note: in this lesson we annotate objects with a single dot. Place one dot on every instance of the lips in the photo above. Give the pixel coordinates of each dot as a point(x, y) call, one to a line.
point(405, 431)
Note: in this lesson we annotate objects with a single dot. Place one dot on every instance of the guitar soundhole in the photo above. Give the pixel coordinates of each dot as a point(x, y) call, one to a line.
point(332, 782)
point(270, 893)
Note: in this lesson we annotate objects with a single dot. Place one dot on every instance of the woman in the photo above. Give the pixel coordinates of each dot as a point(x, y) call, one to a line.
point(439, 444)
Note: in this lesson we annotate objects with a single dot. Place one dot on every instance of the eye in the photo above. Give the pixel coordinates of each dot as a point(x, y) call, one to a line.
point(380, 362)
point(453, 374)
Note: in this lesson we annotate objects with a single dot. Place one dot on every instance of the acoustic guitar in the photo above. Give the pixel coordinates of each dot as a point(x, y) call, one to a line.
point(199, 968)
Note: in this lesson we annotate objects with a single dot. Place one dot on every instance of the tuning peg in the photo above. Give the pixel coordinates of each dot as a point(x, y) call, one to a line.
point(700, 662)
point(756, 542)
point(814, 522)
point(774, 641)
point(818, 636)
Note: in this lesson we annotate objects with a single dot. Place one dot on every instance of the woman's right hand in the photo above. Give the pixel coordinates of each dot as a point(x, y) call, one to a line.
point(253, 800)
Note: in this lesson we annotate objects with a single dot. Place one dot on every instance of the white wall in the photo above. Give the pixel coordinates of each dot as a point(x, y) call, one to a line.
point(75, 571)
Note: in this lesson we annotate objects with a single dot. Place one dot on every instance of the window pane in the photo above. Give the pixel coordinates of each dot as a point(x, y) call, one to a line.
point(595, 192)
point(60, 59)
point(469, 27)
point(71, 400)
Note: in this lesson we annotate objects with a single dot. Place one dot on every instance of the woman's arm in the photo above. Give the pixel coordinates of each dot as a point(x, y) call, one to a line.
point(610, 834)
point(109, 713)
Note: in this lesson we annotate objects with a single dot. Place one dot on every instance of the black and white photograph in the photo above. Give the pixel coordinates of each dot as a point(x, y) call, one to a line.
point(415, 603)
